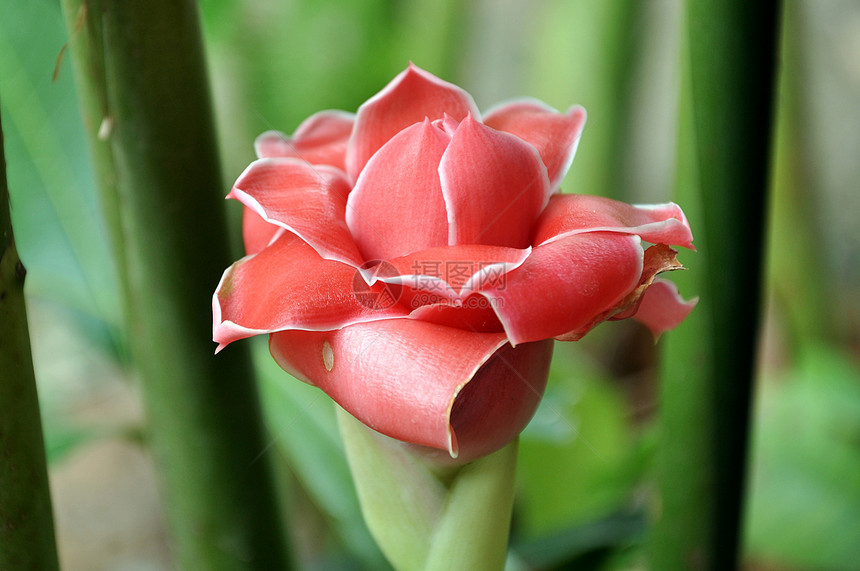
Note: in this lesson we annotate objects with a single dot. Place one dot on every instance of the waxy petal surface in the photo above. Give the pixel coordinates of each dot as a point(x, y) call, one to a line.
point(409, 98)
point(662, 308)
point(309, 201)
point(568, 214)
point(396, 206)
point(289, 286)
point(410, 380)
point(456, 270)
point(495, 186)
point(555, 135)
point(257, 232)
point(564, 284)
point(321, 139)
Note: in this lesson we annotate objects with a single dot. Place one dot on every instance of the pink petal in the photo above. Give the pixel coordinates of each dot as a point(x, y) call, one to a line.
point(494, 185)
point(309, 201)
point(257, 233)
point(565, 284)
point(410, 97)
point(413, 381)
point(474, 313)
point(289, 286)
point(568, 214)
point(321, 139)
point(555, 135)
point(662, 308)
point(396, 206)
point(456, 270)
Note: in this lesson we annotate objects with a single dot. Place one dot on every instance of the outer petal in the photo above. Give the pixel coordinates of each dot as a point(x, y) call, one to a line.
point(413, 381)
point(564, 284)
point(396, 206)
point(662, 308)
point(555, 135)
point(289, 286)
point(321, 139)
point(410, 97)
point(494, 184)
point(568, 214)
point(307, 200)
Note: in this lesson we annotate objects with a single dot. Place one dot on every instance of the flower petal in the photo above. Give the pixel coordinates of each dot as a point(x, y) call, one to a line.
point(568, 214)
point(257, 232)
point(555, 135)
point(396, 206)
point(309, 201)
point(289, 286)
point(321, 139)
point(662, 308)
point(455, 270)
point(410, 97)
point(411, 380)
point(494, 185)
point(564, 284)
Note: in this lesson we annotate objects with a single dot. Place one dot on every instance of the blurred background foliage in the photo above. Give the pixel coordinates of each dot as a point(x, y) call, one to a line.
point(586, 465)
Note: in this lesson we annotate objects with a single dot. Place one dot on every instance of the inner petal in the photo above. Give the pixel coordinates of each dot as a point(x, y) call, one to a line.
point(495, 186)
point(396, 206)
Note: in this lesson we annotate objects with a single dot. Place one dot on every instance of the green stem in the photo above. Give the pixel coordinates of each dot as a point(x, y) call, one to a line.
point(141, 76)
point(708, 377)
point(26, 520)
point(427, 518)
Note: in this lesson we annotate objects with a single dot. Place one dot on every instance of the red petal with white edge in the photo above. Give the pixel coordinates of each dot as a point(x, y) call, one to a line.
point(662, 308)
point(555, 135)
point(454, 272)
point(321, 139)
point(289, 286)
point(568, 214)
point(410, 97)
point(309, 201)
point(565, 284)
point(257, 233)
point(411, 380)
point(495, 186)
point(396, 206)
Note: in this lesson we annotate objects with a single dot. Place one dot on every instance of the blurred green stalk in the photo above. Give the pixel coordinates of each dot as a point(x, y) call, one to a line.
point(142, 80)
point(708, 374)
point(26, 521)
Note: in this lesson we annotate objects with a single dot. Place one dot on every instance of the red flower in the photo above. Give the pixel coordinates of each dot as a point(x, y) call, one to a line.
point(415, 261)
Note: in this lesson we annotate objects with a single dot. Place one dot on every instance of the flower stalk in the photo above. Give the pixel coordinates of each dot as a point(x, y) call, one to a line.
point(26, 521)
point(141, 76)
point(426, 517)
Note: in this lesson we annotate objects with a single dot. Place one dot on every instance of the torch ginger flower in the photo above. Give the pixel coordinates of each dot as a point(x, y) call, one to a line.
point(415, 261)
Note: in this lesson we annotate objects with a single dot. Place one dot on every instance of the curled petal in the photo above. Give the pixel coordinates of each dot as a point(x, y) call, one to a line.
point(568, 214)
point(662, 308)
point(309, 201)
point(321, 139)
point(396, 206)
point(456, 270)
point(555, 135)
point(413, 381)
point(564, 284)
point(410, 97)
point(495, 186)
point(289, 286)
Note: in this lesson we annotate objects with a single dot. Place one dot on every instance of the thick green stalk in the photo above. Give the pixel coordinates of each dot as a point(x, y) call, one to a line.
point(140, 68)
point(26, 521)
point(730, 78)
point(428, 519)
